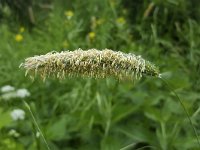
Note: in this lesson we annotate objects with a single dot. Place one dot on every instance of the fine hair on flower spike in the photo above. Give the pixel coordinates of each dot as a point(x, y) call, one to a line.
point(90, 63)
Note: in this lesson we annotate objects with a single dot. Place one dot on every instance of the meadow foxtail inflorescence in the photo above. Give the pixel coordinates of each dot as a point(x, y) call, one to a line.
point(90, 63)
point(97, 64)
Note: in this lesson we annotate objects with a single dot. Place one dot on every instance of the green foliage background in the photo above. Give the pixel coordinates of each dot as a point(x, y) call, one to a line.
point(86, 114)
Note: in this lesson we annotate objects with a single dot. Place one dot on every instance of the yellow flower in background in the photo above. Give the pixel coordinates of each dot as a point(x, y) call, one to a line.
point(113, 3)
point(125, 11)
point(96, 22)
point(18, 37)
point(69, 14)
point(65, 44)
point(91, 35)
point(100, 21)
point(21, 30)
point(93, 22)
point(121, 21)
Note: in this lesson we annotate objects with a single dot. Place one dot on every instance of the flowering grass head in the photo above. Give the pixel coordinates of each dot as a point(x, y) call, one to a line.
point(90, 63)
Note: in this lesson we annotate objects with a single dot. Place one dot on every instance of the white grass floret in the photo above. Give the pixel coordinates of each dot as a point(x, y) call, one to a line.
point(17, 114)
point(22, 93)
point(7, 88)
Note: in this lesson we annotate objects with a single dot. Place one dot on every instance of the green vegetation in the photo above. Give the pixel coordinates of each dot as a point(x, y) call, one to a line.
point(106, 114)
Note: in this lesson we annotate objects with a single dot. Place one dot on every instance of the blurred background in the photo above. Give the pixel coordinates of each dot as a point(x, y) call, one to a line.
point(102, 114)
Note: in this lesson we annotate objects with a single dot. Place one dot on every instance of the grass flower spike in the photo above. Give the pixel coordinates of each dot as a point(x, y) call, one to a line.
point(90, 63)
